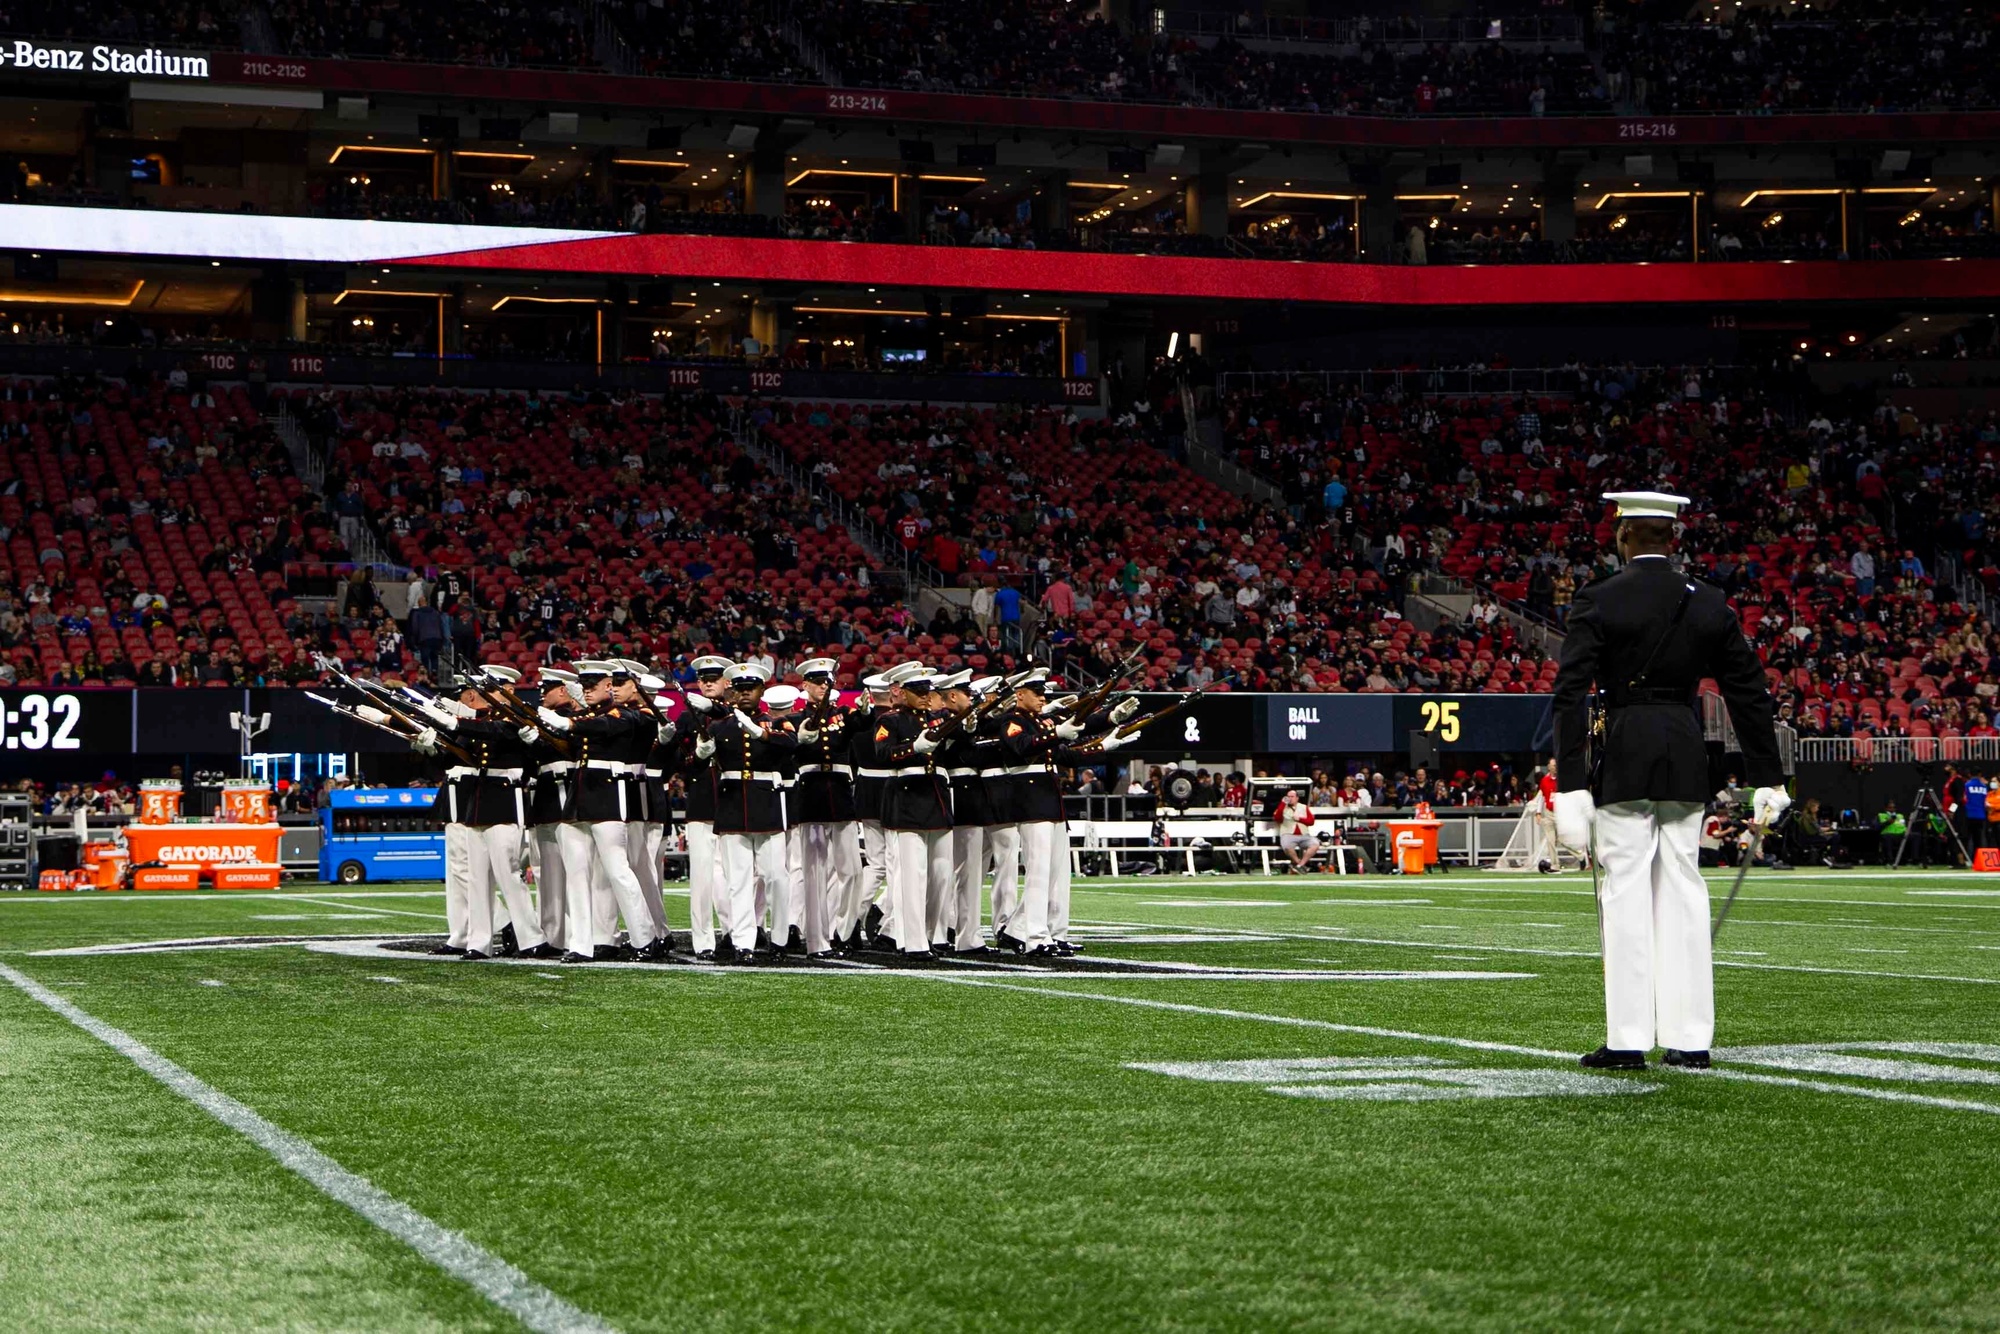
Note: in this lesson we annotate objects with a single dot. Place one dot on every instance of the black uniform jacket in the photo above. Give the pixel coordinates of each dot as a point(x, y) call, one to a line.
point(825, 792)
point(994, 761)
point(609, 744)
point(487, 789)
point(749, 772)
point(1031, 743)
point(1653, 736)
point(917, 796)
point(870, 773)
point(549, 786)
point(697, 776)
point(662, 760)
point(964, 758)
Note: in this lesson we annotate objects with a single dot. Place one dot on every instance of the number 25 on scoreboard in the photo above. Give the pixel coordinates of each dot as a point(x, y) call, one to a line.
point(1441, 716)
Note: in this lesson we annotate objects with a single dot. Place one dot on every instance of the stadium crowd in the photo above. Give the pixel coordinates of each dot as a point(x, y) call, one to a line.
point(1818, 526)
point(155, 532)
point(1907, 56)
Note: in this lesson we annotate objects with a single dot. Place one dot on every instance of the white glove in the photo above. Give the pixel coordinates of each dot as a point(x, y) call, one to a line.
point(425, 742)
point(809, 735)
point(1069, 731)
point(704, 747)
point(530, 734)
point(552, 720)
point(923, 745)
point(750, 725)
point(1767, 804)
point(371, 713)
point(1574, 811)
point(1113, 741)
point(442, 717)
point(1123, 710)
point(666, 733)
point(700, 703)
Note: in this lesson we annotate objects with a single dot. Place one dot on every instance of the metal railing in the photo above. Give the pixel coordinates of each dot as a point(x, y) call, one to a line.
point(1897, 749)
point(895, 561)
point(1965, 584)
point(1530, 626)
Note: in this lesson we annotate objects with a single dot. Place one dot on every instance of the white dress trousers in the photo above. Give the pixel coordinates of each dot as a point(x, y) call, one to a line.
point(1659, 980)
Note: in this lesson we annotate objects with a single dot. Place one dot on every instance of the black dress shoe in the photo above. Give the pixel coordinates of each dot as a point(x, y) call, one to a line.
point(795, 941)
point(976, 952)
point(920, 956)
point(571, 956)
point(725, 951)
point(1011, 944)
point(1606, 1059)
point(1687, 1060)
point(542, 951)
point(872, 922)
point(881, 944)
point(474, 956)
point(706, 956)
point(823, 955)
point(507, 944)
point(1044, 952)
point(1065, 949)
point(763, 940)
point(609, 954)
point(446, 949)
point(655, 952)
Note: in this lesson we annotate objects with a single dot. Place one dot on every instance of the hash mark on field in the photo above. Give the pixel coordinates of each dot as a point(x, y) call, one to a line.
point(553, 977)
point(392, 981)
point(1547, 926)
point(1753, 954)
point(213, 982)
point(463, 1259)
point(1856, 949)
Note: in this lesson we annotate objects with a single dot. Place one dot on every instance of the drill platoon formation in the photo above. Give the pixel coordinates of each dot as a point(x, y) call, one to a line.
point(812, 828)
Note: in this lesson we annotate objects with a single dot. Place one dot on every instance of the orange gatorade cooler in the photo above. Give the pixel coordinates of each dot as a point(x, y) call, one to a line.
point(159, 801)
point(246, 803)
point(1414, 844)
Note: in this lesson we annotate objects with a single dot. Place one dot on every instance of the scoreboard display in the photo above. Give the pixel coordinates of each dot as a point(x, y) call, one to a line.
point(92, 721)
point(1379, 724)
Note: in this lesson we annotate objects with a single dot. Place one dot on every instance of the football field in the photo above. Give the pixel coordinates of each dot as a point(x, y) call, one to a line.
point(1297, 1102)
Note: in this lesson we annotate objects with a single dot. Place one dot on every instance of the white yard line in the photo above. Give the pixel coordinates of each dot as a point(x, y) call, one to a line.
point(465, 1260)
point(400, 912)
point(1467, 1044)
point(1222, 934)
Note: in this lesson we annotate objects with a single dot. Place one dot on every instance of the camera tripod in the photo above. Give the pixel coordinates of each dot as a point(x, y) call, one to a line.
point(1927, 799)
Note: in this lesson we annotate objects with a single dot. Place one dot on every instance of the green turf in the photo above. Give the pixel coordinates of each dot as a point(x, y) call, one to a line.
point(745, 1149)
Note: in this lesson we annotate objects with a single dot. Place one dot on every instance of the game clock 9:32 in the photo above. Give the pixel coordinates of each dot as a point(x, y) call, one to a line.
point(40, 722)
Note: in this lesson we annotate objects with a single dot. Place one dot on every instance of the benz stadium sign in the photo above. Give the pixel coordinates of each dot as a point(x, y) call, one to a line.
point(150, 61)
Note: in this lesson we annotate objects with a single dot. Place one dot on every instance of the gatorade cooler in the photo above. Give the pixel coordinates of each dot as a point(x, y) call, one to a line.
point(1414, 844)
point(110, 867)
point(159, 801)
point(246, 803)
